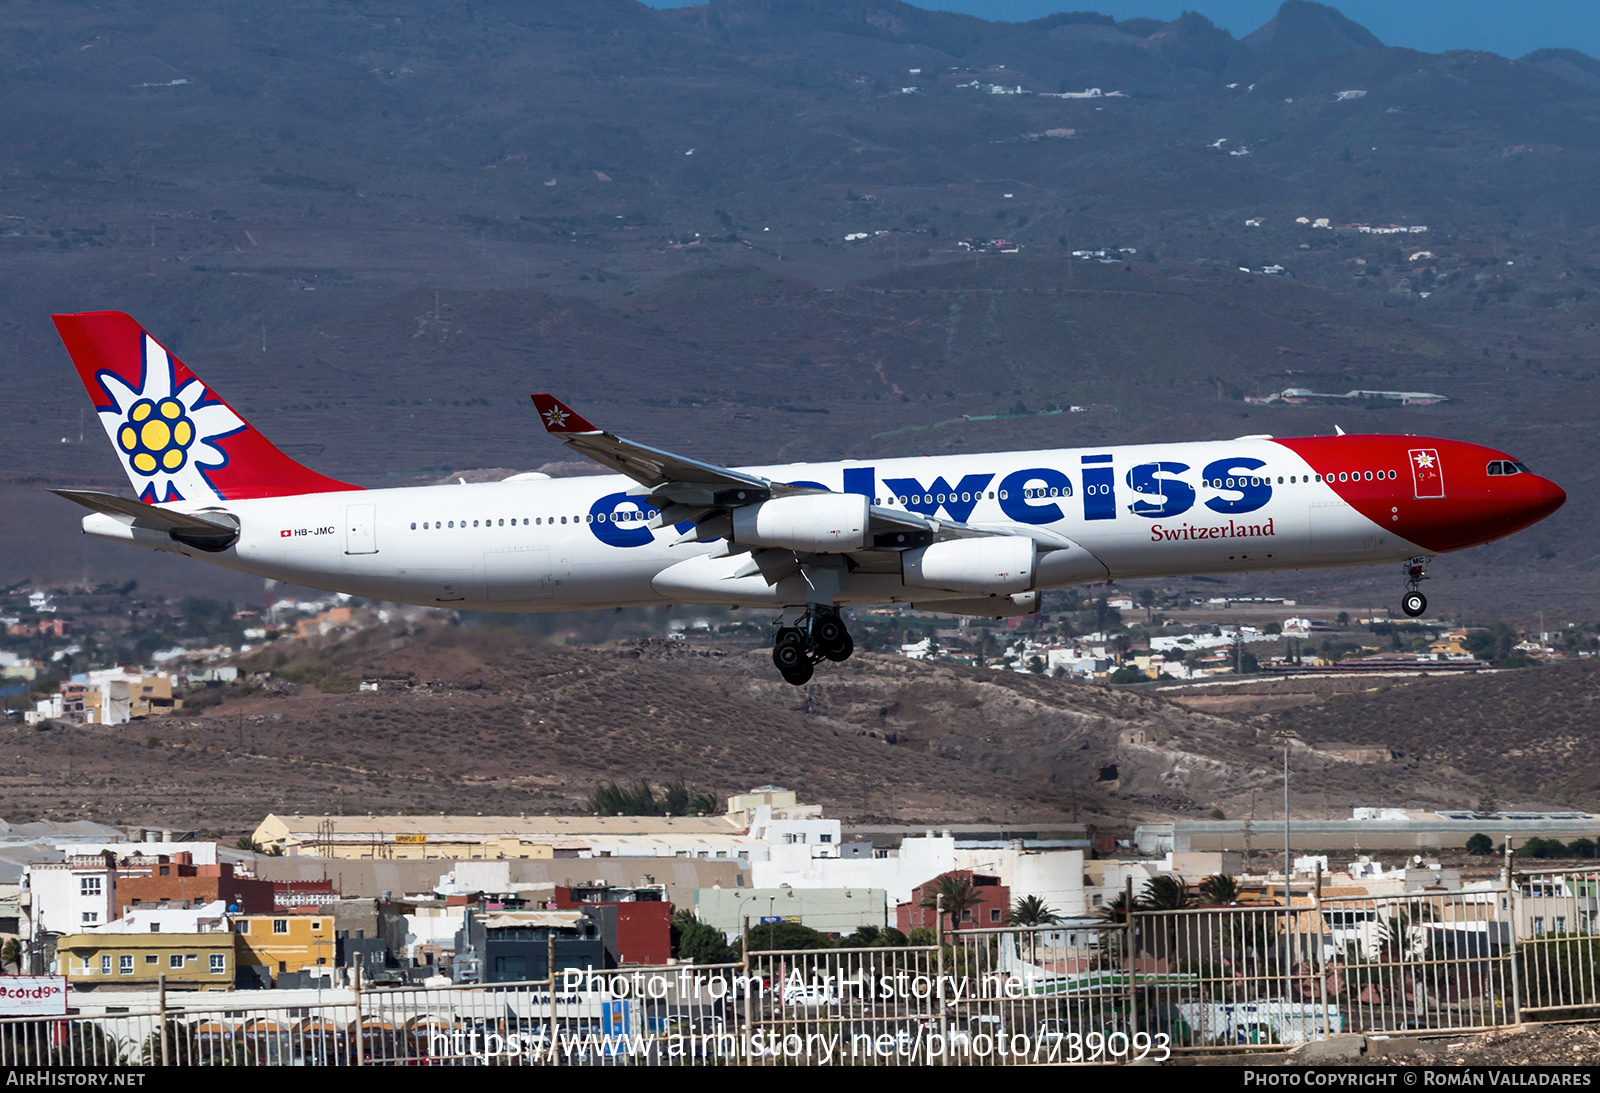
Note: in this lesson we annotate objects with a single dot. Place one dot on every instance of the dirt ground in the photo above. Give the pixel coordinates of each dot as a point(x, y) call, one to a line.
point(1557, 1044)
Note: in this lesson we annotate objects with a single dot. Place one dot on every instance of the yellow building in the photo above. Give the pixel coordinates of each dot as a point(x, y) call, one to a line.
point(106, 960)
point(500, 838)
point(283, 943)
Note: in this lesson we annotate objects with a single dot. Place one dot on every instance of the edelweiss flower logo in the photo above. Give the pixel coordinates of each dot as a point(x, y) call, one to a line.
point(156, 436)
point(555, 418)
point(1424, 459)
point(165, 436)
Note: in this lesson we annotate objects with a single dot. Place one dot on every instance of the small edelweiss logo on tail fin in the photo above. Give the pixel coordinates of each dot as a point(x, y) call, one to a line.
point(555, 417)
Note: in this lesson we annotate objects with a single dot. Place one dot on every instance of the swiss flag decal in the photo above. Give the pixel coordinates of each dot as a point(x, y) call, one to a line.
point(1427, 476)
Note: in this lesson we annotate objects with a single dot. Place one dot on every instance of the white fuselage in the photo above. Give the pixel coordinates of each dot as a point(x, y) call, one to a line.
point(575, 543)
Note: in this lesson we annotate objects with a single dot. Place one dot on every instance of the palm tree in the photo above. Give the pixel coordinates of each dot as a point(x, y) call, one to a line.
point(1219, 889)
point(955, 895)
point(1117, 909)
point(1166, 893)
point(1401, 931)
point(1031, 911)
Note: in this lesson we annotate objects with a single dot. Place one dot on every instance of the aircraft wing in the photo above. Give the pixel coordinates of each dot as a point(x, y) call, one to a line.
point(647, 466)
point(692, 491)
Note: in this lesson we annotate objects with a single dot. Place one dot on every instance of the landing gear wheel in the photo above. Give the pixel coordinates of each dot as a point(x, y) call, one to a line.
point(789, 654)
point(842, 650)
point(830, 637)
point(828, 631)
point(799, 674)
point(1414, 603)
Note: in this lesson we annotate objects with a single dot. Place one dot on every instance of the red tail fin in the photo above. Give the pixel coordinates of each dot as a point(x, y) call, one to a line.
point(178, 440)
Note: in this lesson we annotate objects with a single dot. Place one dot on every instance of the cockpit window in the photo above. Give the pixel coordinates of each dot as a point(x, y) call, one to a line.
point(1507, 466)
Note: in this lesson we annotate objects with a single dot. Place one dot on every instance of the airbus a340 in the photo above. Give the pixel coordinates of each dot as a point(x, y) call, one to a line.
point(966, 534)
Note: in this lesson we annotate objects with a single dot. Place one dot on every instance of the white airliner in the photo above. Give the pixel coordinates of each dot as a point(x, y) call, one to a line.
point(969, 534)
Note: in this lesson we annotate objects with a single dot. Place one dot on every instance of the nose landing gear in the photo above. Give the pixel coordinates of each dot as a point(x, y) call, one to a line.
point(1414, 603)
point(819, 634)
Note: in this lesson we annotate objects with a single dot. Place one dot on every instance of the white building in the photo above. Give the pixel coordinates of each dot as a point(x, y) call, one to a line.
point(67, 897)
point(431, 926)
point(916, 861)
point(830, 910)
point(1055, 876)
point(209, 918)
point(819, 835)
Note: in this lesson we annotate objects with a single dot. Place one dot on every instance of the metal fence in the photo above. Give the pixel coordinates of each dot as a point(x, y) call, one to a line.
point(1557, 921)
point(1128, 987)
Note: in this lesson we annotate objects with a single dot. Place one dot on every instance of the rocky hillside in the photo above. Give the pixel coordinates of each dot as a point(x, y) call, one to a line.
point(486, 720)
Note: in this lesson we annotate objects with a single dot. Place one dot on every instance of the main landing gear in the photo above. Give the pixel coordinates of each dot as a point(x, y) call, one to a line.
point(819, 634)
point(1414, 603)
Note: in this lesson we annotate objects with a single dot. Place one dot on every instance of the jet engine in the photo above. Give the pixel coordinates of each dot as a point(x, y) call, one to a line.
point(991, 566)
point(819, 523)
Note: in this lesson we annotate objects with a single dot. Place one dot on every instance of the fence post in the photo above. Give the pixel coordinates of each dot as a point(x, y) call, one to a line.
point(1129, 952)
point(1514, 906)
point(361, 1047)
point(938, 937)
point(550, 969)
point(161, 1014)
point(744, 962)
point(1322, 952)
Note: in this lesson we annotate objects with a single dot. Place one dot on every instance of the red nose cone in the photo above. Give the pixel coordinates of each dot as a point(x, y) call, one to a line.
point(1544, 498)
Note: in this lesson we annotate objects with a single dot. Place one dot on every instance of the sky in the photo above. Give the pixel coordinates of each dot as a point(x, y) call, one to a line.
point(1432, 26)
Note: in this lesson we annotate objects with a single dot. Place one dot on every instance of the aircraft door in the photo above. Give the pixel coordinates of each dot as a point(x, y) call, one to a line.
point(360, 529)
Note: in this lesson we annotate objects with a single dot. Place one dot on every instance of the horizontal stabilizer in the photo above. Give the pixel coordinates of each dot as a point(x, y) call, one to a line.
point(210, 531)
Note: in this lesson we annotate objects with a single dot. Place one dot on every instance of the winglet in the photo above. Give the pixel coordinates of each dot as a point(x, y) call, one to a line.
point(559, 418)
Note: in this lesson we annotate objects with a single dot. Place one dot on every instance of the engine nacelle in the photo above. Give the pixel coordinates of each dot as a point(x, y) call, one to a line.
point(991, 566)
point(815, 523)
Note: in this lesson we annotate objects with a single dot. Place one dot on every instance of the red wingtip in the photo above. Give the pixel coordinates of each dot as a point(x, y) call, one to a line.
point(559, 418)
